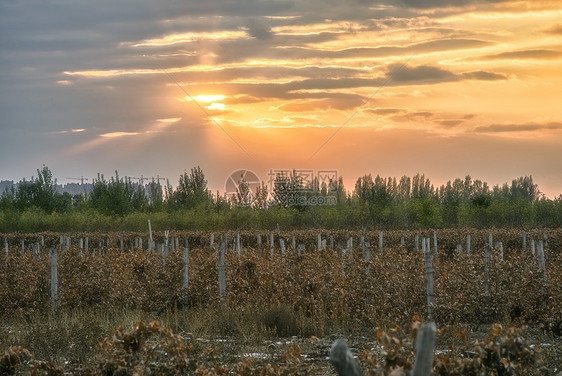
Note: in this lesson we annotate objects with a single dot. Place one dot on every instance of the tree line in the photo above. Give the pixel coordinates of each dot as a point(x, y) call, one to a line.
point(375, 202)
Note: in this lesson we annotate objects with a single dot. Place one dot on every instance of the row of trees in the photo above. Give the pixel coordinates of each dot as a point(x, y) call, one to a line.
point(375, 202)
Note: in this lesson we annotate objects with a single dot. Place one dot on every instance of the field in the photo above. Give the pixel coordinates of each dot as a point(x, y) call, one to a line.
point(323, 286)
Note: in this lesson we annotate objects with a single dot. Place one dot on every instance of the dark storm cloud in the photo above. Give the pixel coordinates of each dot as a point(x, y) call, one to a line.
point(505, 128)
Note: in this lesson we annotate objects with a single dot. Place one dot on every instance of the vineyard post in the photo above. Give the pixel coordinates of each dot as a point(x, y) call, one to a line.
point(435, 242)
point(540, 254)
point(23, 245)
point(221, 267)
point(259, 239)
point(212, 240)
point(300, 249)
point(185, 279)
point(271, 244)
point(282, 246)
point(36, 248)
point(81, 244)
point(468, 244)
point(545, 240)
point(62, 243)
point(332, 242)
point(459, 248)
point(490, 239)
point(417, 241)
point(319, 247)
point(524, 240)
point(402, 240)
point(423, 245)
point(362, 242)
point(150, 241)
point(380, 241)
point(425, 344)
point(42, 241)
point(86, 244)
point(366, 250)
point(428, 245)
point(68, 242)
point(294, 242)
point(54, 278)
point(140, 242)
point(429, 279)
point(343, 361)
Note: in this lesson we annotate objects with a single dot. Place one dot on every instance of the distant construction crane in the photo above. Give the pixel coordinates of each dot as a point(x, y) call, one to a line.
point(81, 178)
point(141, 179)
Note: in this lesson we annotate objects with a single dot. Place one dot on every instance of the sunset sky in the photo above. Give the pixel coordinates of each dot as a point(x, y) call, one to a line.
point(446, 88)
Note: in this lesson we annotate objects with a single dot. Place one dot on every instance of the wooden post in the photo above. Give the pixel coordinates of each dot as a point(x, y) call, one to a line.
point(53, 260)
point(429, 280)
point(271, 244)
point(524, 240)
point(150, 240)
point(468, 244)
point(366, 250)
point(221, 267)
point(540, 254)
point(212, 240)
point(343, 361)
point(282, 246)
point(425, 344)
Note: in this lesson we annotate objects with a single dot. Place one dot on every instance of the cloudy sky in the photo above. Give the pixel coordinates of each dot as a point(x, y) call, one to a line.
point(441, 87)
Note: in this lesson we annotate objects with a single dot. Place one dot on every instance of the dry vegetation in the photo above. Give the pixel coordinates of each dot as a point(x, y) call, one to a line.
point(310, 296)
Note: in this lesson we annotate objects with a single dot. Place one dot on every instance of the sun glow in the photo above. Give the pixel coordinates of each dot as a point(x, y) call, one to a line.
point(215, 106)
point(208, 98)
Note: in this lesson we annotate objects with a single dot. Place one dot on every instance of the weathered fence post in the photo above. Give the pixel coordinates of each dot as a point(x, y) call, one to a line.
point(343, 361)
point(380, 241)
point(53, 260)
point(271, 244)
point(212, 241)
point(332, 242)
point(533, 247)
point(417, 241)
point(490, 239)
point(429, 279)
point(86, 244)
point(282, 246)
point(238, 246)
point(540, 254)
point(294, 242)
point(259, 239)
point(524, 240)
point(425, 344)
point(468, 244)
point(150, 240)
